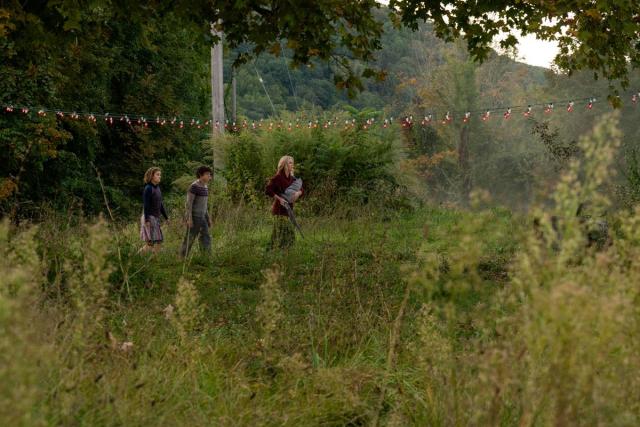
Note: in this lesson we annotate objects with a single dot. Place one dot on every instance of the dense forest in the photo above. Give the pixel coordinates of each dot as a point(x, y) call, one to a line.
point(103, 61)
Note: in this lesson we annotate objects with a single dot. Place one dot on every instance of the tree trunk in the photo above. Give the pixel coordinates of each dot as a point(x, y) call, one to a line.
point(217, 92)
point(464, 163)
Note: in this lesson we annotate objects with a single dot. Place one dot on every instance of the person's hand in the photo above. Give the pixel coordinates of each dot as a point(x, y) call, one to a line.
point(190, 223)
point(209, 221)
point(147, 224)
point(281, 200)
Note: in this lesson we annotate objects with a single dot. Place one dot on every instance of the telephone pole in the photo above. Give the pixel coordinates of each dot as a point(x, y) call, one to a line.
point(217, 91)
point(233, 96)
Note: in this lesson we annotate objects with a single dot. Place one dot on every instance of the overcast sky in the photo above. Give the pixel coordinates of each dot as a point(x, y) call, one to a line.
point(536, 52)
point(530, 50)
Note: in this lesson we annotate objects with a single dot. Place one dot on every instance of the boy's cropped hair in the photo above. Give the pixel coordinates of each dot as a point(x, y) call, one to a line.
point(202, 170)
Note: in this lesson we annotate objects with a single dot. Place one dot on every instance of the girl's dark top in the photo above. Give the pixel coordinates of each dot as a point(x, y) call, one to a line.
point(277, 184)
point(152, 202)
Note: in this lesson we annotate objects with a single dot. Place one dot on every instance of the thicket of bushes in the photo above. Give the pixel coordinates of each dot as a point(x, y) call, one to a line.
point(339, 166)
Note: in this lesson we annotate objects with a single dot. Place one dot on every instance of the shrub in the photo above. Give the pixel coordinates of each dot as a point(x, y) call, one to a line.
point(337, 165)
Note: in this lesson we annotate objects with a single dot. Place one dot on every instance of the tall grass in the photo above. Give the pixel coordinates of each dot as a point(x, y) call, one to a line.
point(429, 317)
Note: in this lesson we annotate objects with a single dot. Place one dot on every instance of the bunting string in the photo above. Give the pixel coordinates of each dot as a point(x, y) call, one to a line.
point(430, 118)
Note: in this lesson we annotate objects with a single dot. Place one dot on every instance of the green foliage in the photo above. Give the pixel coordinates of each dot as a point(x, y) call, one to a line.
point(329, 30)
point(630, 190)
point(60, 55)
point(438, 317)
point(269, 312)
point(324, 343)
point(599, 36)
point(244, 165)
point(425, 317)
point(21, 272)
point(336, 165)
point(189, 311)
point(95, 58)
point(546, 332)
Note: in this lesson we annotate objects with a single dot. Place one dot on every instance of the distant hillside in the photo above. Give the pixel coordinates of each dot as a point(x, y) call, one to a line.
point(406, 57)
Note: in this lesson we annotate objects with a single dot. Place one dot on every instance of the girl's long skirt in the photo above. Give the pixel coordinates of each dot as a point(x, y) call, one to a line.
point(151, 234)
point(283, 234)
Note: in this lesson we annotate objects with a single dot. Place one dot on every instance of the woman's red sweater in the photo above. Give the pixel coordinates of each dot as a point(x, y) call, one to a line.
point(277, 184)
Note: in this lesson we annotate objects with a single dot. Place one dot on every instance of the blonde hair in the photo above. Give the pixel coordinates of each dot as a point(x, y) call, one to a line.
point(282, 162)
point(148, 175)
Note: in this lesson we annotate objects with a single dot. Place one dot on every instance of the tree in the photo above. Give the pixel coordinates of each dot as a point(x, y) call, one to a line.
point(331, 30)
point(102, 57)
point(599, 35)
point(152, 58)
point(454, 85)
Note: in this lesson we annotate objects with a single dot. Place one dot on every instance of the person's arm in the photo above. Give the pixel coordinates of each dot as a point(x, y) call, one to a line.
point(273, 188)
point(146, 201)
point(163, 211)
point(270, 190)
point(189, 206)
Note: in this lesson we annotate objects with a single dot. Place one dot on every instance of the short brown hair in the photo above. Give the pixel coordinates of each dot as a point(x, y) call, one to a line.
point(149, 174)
point(202, 170)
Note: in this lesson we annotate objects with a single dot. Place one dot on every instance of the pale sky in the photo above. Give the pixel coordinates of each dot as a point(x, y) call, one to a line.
point(530, 50)
point(536, 52)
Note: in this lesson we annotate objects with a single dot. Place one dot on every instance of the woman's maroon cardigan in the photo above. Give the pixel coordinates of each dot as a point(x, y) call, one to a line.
point(277, 184)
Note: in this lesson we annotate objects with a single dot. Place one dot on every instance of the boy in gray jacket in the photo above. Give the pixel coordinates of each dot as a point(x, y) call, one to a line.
point(197, 213)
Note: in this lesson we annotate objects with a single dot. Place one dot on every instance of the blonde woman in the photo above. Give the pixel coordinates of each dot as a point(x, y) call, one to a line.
point(283, 234)
point(150, 231)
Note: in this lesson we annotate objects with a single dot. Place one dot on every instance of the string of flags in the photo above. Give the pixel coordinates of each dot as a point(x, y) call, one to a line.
point(429, 119)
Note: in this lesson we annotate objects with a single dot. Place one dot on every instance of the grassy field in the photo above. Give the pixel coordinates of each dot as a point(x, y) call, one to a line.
point(259, 337)
point(431, 316)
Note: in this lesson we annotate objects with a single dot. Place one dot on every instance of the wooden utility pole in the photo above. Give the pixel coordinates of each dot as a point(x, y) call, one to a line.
point(217, 91)
point(233, 97)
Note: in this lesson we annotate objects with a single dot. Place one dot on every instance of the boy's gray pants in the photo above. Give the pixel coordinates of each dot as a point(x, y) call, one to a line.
point(199, 228)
